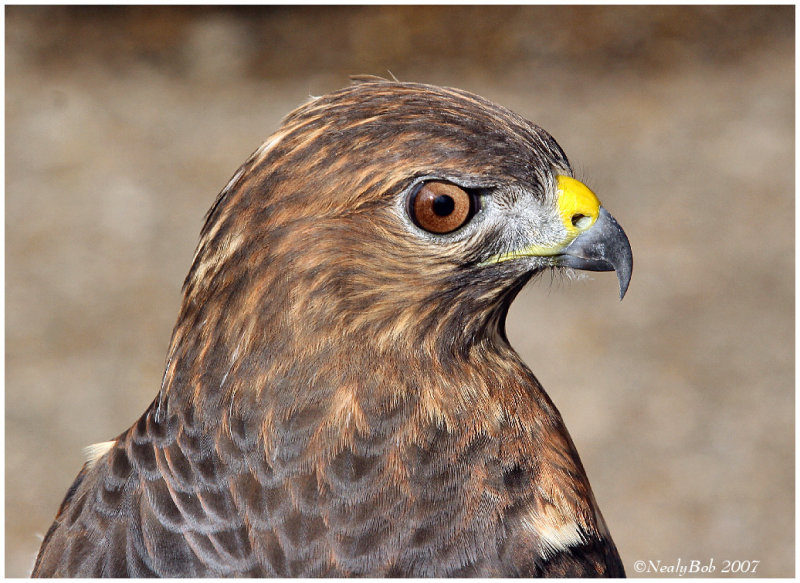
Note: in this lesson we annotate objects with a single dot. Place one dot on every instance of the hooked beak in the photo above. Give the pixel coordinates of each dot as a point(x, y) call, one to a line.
point(592, 239)
point(602, 247)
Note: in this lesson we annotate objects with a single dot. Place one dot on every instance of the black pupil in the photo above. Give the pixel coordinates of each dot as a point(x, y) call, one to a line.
point(443, 205)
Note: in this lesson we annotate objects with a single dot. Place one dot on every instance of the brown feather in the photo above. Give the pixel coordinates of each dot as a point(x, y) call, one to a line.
point(339, 396)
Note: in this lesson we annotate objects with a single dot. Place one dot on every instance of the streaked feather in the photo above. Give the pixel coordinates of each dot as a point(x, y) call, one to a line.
point(339, 397)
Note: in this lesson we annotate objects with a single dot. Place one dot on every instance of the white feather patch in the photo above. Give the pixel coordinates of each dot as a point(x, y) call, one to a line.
point(555, 533)
point(559, 538)
point(94, 452)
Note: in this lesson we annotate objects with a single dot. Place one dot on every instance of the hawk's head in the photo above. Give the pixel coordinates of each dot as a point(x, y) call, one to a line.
point(385, 219)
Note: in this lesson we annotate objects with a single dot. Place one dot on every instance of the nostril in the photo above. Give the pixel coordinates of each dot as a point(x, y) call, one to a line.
point(581, 221)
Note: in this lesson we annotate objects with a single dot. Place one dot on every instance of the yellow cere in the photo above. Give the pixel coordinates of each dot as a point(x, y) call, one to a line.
point(579, 209)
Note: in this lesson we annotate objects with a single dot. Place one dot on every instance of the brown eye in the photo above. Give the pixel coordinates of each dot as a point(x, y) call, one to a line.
point(441, 207)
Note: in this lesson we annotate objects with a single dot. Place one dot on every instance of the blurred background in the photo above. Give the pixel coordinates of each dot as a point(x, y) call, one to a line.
point(123, 123)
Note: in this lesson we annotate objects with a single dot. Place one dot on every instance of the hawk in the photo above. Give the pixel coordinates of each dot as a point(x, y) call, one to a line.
point(340, 397)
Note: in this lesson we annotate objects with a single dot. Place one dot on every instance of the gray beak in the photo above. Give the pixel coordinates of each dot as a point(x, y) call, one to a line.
point(604, 247)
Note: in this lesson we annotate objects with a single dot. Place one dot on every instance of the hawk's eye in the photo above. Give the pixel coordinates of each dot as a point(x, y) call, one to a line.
point(441, 207)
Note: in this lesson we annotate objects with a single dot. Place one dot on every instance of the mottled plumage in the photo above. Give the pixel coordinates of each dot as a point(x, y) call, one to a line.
point(340, 397)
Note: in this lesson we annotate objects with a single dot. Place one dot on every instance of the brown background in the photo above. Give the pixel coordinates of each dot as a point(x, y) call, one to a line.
point(122, 124)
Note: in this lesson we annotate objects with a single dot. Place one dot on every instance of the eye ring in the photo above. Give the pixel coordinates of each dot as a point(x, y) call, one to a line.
point(441, 207)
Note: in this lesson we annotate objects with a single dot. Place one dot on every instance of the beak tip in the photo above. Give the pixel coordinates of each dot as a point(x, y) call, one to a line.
point(624, 277)
point(622, 292)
